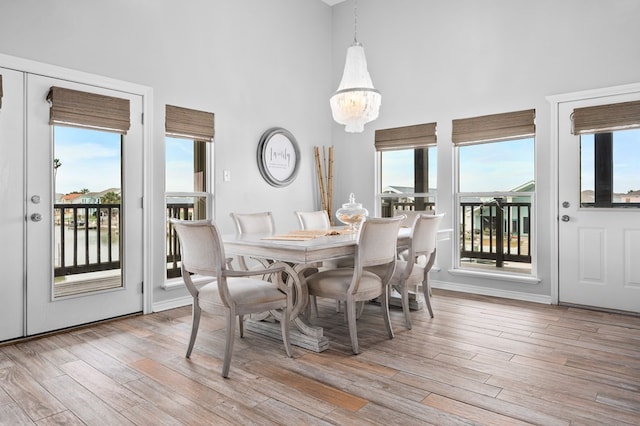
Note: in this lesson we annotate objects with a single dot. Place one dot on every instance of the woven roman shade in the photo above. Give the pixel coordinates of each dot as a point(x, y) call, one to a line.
point(416, 136)
point(0, 90)
point(84, 109)
point(189, 123)
point(606, 118)
point(495, 127)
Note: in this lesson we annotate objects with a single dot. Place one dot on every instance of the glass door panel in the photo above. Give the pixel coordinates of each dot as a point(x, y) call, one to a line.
point(84, 252)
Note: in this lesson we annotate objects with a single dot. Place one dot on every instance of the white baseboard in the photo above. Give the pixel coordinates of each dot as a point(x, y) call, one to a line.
point(463, 288)
point(172, 304)
point(486, 291)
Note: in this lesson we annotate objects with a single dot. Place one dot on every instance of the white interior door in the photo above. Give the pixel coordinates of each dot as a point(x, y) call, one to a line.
point(94, 295)
point(12, 202)
point(599, 247)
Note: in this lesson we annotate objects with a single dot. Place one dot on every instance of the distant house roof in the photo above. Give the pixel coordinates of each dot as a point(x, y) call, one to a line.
point(68, 198)
point(525, 187)
point(397, 190)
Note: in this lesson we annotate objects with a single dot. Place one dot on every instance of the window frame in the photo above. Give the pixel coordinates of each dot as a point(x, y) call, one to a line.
point(192, 126)
point(604, 172)
point(413, 137)
point(525, 120)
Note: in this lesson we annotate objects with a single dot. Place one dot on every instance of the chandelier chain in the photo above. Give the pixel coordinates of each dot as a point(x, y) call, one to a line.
point(355, 22)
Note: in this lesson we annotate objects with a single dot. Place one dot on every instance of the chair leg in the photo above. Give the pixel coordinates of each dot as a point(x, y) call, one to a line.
point(228, 349)
point(426, 290)
point(241, 325)
point(195, 323)
point(385, 312)
point(404, 292)
point(284, 325)
point(351, 321)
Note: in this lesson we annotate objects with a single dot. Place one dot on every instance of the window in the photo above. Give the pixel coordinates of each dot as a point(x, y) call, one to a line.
point(187, 172)
point(407, 168)
point(609, 154)
point(87, 180)
point(495, 167)
point(186, 178)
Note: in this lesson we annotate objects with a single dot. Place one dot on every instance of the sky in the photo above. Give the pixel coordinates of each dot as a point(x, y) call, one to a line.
point(626, 156)
point(179, 165)
point(497, 166)
point(90, 159)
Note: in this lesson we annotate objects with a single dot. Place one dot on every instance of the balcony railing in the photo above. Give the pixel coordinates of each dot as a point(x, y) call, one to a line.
point(179, 211)
point(497, 230)
point(390, 205)
point(86, 238)
point(80, 226)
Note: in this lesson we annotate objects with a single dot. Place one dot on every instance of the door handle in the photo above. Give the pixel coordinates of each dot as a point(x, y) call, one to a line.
point(36, 217)
point(565, 218)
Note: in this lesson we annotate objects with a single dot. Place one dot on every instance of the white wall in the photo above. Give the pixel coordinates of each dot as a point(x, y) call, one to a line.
point(440, 60)
point(263, 63)
point(254, 63)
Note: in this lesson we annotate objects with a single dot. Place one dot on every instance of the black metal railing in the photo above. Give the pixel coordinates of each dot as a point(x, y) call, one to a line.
point(179, 211)
point(88, 234)
point(390, 206)
point(497, 230)
point(87, 238)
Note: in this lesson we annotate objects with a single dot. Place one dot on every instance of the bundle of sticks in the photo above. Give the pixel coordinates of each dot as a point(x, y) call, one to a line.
point(324, 169)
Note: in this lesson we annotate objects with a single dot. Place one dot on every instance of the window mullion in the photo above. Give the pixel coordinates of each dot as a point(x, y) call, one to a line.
point(603, 169)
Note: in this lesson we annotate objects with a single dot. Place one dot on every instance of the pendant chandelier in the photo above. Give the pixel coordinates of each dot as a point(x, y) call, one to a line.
point(356, 102)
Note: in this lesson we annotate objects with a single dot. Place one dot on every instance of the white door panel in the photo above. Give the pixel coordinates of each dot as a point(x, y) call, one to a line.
point(599, 248)
point(12, 205)
point(44, 311)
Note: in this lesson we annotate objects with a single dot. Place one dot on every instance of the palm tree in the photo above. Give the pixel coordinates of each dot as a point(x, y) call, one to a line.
point(56, 166)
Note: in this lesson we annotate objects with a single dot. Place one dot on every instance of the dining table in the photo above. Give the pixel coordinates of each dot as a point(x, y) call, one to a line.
point(301, 250)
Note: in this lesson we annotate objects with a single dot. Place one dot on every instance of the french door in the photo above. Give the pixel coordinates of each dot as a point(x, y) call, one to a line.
point(12, 289)
point(59, 241)
point(599, 246)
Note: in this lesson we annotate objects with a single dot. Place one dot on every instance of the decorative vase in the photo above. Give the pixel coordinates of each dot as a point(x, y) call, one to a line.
point(352, 213)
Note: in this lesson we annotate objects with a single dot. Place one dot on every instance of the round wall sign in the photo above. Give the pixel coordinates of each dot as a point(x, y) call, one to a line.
point(278, 156)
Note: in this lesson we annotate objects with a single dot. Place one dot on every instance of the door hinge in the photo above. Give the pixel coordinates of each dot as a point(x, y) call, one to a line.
point(142, 287)
point(142, 118)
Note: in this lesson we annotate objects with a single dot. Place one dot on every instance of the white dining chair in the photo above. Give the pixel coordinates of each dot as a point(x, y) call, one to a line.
point(253, 223)
point(411, 215)
point(413, 272)
point(225, 291)
point(410, 219)
point(376, 246)
point(319, 219)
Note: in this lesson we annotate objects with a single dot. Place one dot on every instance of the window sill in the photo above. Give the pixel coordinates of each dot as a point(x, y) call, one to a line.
point(523, 279)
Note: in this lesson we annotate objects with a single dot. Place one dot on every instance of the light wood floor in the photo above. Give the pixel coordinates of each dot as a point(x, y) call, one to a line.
point(481, 360)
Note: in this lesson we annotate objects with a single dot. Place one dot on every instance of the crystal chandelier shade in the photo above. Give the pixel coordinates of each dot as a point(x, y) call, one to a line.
point(356, 102)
